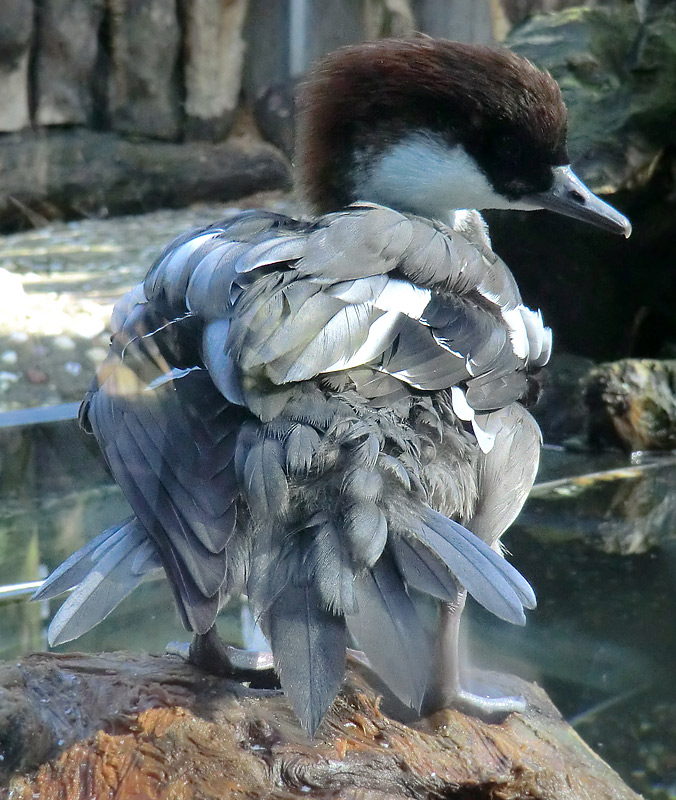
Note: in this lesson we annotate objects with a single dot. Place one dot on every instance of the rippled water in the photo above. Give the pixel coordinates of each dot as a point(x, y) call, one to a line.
point(600, 552)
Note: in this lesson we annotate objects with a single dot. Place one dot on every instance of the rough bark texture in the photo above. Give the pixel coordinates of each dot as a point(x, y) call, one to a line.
point(81, 172)
point(68, 33)
point(632, 404)
point(16, 29)
point(146, 43)
point(213, 65)
point(133, 726)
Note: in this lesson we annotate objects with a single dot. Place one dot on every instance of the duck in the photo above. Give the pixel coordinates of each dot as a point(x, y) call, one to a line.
point(328, 412)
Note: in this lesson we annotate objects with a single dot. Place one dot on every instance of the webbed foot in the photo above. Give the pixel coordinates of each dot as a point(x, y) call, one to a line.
point(487, 707)
point(208, 652)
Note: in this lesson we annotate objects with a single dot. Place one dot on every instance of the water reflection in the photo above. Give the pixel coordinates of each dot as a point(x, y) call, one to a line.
point(601, 554)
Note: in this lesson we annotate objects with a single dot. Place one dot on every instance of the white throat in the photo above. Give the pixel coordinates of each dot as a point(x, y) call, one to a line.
point(423, 175)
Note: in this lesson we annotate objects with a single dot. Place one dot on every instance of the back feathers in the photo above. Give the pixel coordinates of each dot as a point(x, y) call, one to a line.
point(294, 409)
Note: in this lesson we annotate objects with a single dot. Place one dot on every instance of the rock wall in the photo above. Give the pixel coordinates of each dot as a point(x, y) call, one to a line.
point(141, 67)
point(144, 74)
point(172, 69)
point(16, 31)
point(103, 103)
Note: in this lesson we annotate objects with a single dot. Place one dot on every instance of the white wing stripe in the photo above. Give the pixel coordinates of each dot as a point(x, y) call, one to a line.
point(518, 334)
point(380, 336)
point(404, 297)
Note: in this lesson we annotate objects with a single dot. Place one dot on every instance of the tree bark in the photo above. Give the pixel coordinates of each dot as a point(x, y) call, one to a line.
point(90, 173)
point(137, 726)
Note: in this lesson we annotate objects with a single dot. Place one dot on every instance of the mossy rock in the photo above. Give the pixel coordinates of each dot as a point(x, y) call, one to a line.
point(617, 77)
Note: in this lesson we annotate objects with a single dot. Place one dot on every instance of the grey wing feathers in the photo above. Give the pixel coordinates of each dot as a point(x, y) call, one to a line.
point(76, 567)
point(349, 311)
point(102, 574)
point(367, 287)
point(170, 439)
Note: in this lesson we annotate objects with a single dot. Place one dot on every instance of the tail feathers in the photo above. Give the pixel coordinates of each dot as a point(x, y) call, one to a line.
point(424, 570)
point(488, 577)
point(365, 529)
point(312, 553)
point(329, 567)
point(387, 628)
point(309, 644)
point(102, 573)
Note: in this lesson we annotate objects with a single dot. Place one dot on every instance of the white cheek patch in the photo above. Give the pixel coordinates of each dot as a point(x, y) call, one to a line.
point(427, 176)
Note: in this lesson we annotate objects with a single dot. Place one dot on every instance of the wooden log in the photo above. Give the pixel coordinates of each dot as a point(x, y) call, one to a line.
point(81, 172)
point(214, 54)
point(632, 404)
point(16, 34)
point(136, 726)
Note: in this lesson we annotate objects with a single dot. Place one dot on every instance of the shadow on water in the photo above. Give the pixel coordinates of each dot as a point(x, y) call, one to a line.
point(600, 552)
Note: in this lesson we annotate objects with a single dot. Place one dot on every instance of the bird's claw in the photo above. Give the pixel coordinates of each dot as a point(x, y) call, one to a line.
point(488, 702)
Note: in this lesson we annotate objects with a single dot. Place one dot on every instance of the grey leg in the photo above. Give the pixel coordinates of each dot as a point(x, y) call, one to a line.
point(445, 690)
point(505, 475)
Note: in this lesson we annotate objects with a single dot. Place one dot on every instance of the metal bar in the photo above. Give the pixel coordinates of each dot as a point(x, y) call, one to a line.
point(630, 472)
point(38, 415)
point(297, 37)
point(16, 591)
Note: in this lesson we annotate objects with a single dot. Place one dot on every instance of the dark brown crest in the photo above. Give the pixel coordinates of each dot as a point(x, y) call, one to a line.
point(508, 114)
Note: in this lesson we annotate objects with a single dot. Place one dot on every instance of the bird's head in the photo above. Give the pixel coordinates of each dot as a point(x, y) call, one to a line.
point(430, 126)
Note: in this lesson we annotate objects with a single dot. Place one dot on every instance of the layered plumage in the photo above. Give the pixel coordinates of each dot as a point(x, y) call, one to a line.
point(326, 413)
point(288, 407)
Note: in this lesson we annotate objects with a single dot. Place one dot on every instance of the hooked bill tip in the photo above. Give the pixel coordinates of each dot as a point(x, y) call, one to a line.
point(569, 196)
